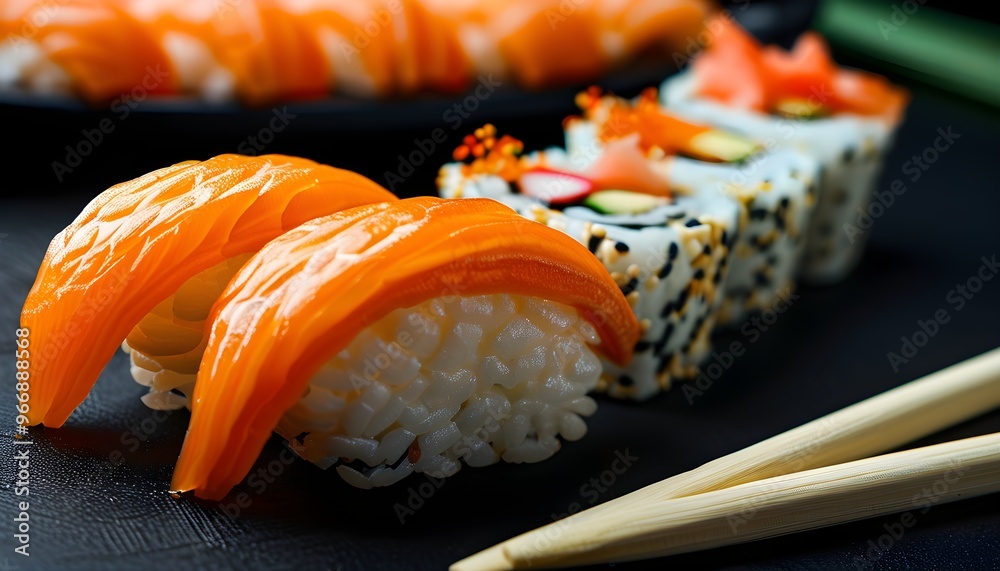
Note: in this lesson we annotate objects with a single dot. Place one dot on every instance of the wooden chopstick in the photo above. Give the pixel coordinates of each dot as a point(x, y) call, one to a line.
point(784, 504)
point(880, 423)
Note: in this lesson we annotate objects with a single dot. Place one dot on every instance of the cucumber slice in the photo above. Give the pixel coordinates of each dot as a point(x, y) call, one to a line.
point(799, 109)
point(722, 146)
point(623, 202)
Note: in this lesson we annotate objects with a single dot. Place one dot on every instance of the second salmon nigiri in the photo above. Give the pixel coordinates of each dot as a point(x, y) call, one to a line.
point(404, 337)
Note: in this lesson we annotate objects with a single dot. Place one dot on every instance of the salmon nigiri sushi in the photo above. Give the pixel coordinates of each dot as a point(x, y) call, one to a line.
point(145, 261)
point(403, 337)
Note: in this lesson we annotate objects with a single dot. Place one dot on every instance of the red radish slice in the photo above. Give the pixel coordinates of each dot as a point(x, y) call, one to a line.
point(553, 186)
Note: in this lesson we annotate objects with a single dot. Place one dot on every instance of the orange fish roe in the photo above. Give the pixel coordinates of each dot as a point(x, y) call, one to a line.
point(491, 155)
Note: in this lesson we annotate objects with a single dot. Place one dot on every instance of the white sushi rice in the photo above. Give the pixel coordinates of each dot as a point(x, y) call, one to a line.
point(849, 149)
point(462, 378)
point(475, 379)
point(167, 344)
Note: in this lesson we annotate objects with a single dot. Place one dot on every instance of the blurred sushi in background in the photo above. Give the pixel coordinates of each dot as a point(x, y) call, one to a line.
point(800, 100)
point(264, 51)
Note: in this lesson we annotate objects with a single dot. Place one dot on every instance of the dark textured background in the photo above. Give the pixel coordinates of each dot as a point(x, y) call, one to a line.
point(828, 351)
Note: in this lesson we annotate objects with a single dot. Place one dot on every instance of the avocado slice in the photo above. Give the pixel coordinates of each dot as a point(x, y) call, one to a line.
point(794, 108)
point(722, 146)
point(623, 202)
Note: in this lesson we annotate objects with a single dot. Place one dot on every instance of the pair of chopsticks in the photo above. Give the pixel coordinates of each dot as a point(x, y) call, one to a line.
point(816, 475)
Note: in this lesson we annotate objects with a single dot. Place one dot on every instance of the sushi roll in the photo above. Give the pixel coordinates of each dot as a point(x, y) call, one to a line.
point(799, 100)
point(402, 337)
point(774, 191)
point(146, 259)
point(667, 250)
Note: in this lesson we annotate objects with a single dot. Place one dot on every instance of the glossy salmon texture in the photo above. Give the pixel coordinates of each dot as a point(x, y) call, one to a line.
point(105, 51)
point(308, 293)
point(136, 243)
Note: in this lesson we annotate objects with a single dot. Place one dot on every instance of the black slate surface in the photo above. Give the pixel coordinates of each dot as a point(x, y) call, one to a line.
point(827, 351)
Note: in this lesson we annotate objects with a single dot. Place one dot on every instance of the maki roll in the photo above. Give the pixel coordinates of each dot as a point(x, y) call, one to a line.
point(145, 260)
point(404, 337)
point(800, 100)
point(666, 249)
point(774, 191)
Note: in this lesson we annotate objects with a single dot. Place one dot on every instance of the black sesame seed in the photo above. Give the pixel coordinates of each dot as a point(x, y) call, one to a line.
point(707, 250)
point(667, 309)
point(692, 223)
point(659, 345)
point(665, 361)
point(699, 274)
point(667, 334)
point(717, 278)
point(725, 238)
point(625, 381)
point(758, 214)
point(593, 243)
point(849, 154)
point(662, 366)
point(779, 222)
point(642, 346)
point(682, 298)
point(621, 247)
point(784, 202)
point(677, 215)
point(674, 249)
point(694, 333)
point(665, 271)
point(761, 279)
point(630, 286)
